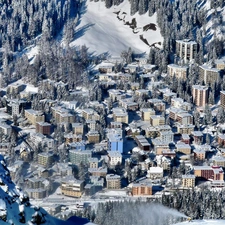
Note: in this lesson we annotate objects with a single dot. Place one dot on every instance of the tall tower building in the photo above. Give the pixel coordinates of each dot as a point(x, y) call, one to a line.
point(200, 95)
point(186, 49)
point(222, 99)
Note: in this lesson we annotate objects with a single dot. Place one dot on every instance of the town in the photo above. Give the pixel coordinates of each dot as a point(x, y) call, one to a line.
point(134, 132)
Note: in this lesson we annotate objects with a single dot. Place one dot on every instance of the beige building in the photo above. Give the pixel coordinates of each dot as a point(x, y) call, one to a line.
point(219, 161)
point(183, 148)
point(93, 137)
point(113, 181)
point(62, 115)
point(146, 113)
point(208, 75)
point(34, 116)
point(72, 187)
point(120, 115)
point(186, 49)
point(90, 114)
point(185, 128)
point(220, 64)
point(93, 163)
point(188, 181)
point(156, 120)
point(78, 128)
point(199, 154)
point(179, 72)
point(200, 95)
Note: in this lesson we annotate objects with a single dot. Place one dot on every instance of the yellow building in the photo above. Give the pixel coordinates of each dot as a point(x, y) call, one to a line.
point(156, 120)
point(188, 181)
point(146, 113)
point(72, 187)
point(120, 115)
point(93, 137)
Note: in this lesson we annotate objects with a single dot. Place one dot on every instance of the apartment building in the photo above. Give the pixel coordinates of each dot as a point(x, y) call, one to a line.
point(199, 154)
point(179, 72)
point(157, 120)
point(93, 163)
point(208, 75)
point(155, 173)
point(220, 64)
point(166, 136)
point(185, 128)
point(43, 128)
point(188, 181)
point(198, 137)
point(221, 140)
point(115, 142)
point(62, 115)
point(142, 142)
point(78, 128)
point(115, 158)
point(34, 116)
point(100, 171)
point(5, 128)
point(209, 173)
point(93, 137)
point(72, 187)
point(200, 95)
point(146, 113)
point(183, 148)
point(222, 99)
point(39, 193)
point(113, 181)
point(186, 49)
point(45, 159)
point(219, 161)
point(157, 104)
point(78, 156)
point(120, 115)
point(142, 189)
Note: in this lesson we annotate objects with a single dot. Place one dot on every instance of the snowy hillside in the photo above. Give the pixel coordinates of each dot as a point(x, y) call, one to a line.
point(113, 30)
point(16, 209)
point(203, 222)
point(215, 18)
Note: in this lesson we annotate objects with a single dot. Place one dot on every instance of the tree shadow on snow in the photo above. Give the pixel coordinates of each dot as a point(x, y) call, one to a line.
point(81, 31)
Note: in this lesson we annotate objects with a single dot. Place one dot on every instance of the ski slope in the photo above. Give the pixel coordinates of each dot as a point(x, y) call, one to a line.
point(203, 222)
point(105, 30)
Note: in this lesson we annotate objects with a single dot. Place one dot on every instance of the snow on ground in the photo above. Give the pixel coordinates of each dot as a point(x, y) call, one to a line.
point(203, 222)
point(213, 26)
point(103, 30)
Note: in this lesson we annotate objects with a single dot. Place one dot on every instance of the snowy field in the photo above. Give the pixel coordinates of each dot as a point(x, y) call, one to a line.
point(110, 31)
point(203, 222)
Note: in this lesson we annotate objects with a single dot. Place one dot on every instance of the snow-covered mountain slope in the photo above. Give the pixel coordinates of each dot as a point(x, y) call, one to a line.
point(215, 18)
point(203, 222)
point(114, 30)
point(15, 208)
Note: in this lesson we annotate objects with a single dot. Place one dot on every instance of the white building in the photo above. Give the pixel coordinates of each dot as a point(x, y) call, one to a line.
point(186, 49)
point(166, 136)
point(115, 158)
point(155, 172)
